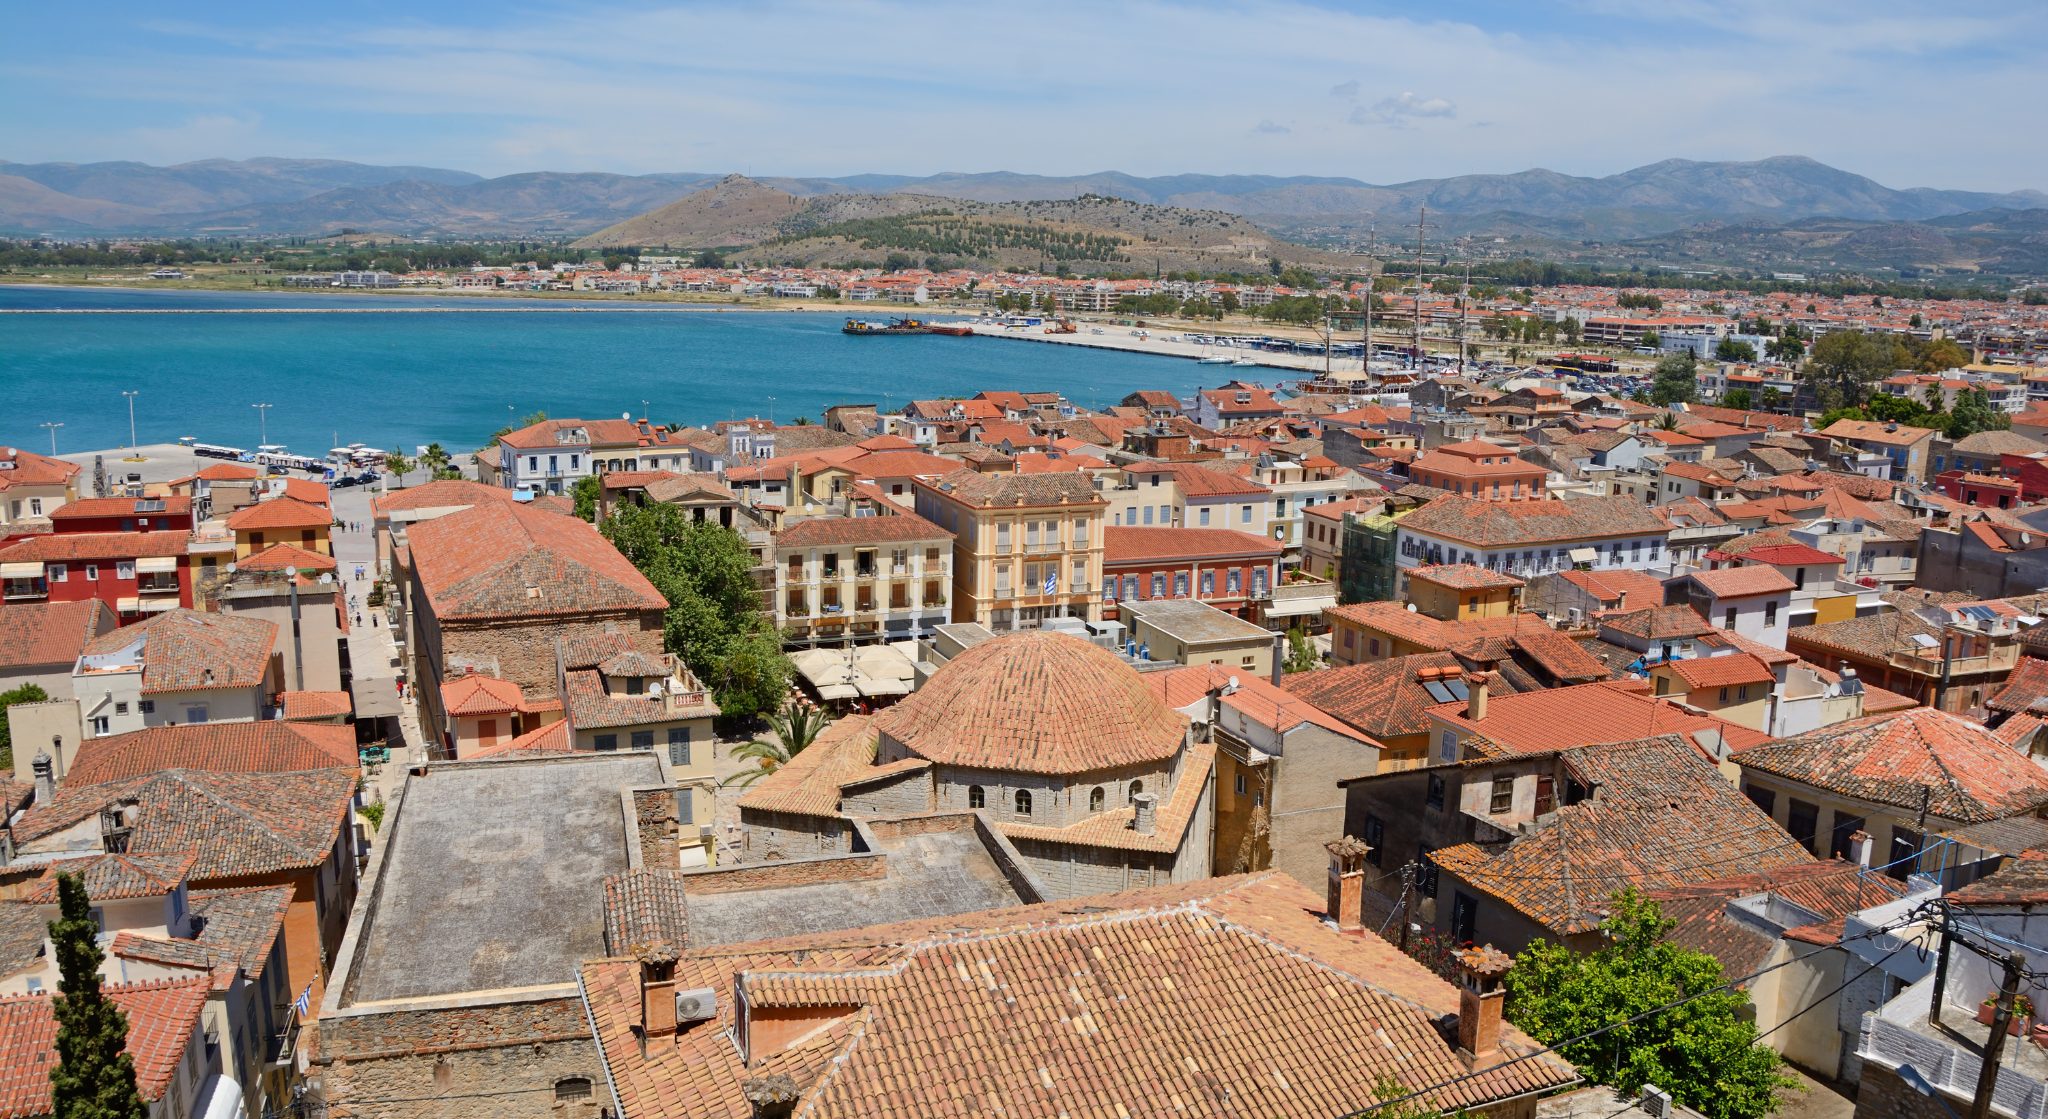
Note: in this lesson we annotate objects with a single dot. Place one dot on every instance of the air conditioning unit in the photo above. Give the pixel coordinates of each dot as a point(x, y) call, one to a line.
point(701, 1003)
point(1655, 1101)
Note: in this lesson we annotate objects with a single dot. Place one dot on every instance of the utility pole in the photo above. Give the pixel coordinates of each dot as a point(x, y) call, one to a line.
point(1372, 250)
point(52, 429)
point(262, 424)
point(1401, 908)
point(1994, 1046)
point(131, 394)
point(1464, 314)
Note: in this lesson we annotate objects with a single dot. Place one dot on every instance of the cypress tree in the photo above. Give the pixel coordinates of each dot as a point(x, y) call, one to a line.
point(94, 1077)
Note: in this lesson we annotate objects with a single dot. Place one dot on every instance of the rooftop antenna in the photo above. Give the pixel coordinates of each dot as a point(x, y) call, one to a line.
point(1420, 219)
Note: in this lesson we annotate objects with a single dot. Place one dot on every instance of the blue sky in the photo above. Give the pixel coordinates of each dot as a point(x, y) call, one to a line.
point(1912, 94)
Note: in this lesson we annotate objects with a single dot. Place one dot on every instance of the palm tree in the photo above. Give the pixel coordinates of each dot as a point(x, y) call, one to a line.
point(795, 727)
point(1667, 422)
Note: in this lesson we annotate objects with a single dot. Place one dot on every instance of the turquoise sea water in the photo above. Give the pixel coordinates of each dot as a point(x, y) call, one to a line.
point(405, 379)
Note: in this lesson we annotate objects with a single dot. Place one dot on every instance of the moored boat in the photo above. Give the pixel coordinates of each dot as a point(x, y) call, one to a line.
point(893, 326)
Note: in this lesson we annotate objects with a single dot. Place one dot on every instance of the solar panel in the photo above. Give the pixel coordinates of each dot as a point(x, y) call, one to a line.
point(1437, 691)
point(1457, 689)
point(1980, 613)
point(1924, 641)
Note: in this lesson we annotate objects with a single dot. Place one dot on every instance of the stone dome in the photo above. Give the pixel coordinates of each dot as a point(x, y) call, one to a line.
point(1036, 702)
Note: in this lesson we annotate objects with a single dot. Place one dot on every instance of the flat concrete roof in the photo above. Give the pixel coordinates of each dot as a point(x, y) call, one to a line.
point(1196, 623)
point(930, 875)
point(493, 876)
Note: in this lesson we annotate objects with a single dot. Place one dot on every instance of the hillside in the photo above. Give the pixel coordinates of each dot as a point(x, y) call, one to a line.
point(2001, 242)
point(1088, 234)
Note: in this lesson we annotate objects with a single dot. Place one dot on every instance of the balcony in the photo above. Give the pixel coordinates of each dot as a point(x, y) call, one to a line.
point(157, 584)
point(24, 590)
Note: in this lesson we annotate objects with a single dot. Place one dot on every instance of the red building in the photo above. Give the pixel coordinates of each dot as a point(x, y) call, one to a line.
point(123, 514)
point(1223, 567)
point(135, 573)
point(1987, 490)
point(2030, 471)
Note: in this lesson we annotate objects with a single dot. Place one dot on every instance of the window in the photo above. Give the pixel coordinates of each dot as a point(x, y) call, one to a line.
point(634, 685)
point(99, 724)
point(1131, 794)
point(1233, 580)
point(1447, 747)
point(1244, 514)
point(1771, 613)
point(1130, 586)
point(1372, 644)
point(1375, 835)
point(121, 708)
point(35, 506)
point(1728, 620)
point(1464, 917)
point(679, 745)
point(1846, 827)
point(1208, 583)
point(1023, 802)
point(643, 740)
point(58, 572)
point(195, 714)
point(1097, 796)
point(1158, 585)
point(1237, 786)
point(1204, 519)
point(1148, 514)
point(92, 572)
point(1180, 584)
point(1436, 791)
point(124, 569)
point(574, 1088)
point(1502, 798)
point(1425, 871)
point(1803, 821)
point(147, 706)
point(1003, 536)
point(975, 797)
point(606, 742)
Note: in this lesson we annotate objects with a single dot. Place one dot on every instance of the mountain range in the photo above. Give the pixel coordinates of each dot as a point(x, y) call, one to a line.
point(276, 197)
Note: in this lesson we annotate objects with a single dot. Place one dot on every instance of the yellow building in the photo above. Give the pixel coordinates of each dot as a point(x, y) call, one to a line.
point(1026, 547)
point(1462, 592)
point(33, 486)
point(1735, 687)
point(281, 520)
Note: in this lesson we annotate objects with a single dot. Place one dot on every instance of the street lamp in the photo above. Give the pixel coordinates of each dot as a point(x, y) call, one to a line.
point(52, 427)
point(262, 424)
point(131, 394)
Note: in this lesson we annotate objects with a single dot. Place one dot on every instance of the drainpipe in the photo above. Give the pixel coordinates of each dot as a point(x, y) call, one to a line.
point(1941, 689)
point(298, 645)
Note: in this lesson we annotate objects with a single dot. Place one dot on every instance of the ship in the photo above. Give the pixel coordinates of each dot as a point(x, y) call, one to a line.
point(956, 330)
point(893, 326)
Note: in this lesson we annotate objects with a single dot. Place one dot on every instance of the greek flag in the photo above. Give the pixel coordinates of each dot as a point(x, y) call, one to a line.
point(304, 1003)
point(1052, 583)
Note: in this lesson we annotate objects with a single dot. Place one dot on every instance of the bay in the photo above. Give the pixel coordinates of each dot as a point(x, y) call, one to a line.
point(396, 377)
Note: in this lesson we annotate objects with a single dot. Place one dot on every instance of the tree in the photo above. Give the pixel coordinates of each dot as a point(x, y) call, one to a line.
point(434, 459)
point(1900, 409)
point(714, 620)
point(585, 493)
point(1301, 652)
point(1786, 347)
point(1973, 413)
point(1676, 380)
point(1943, 354)
point(1703, 1052)
point(1769, 399)
point(27, 693)
point(793, 728)
point(94, 1077)
point(1650, 340)
point(1729, 349)
point(1845, 364)
point(1738, 398)
point(399, 466)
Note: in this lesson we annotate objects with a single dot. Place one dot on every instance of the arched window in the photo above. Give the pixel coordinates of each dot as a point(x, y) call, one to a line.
point(1095, 800)
point(975, 797)
point(1023, 802)
point(1136, 788)
point(574, 1088)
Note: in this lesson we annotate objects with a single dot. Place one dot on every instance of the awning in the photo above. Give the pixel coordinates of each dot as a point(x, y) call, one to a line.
point(129, 605)
point(159, 605)
point(219, 1098)
point(157, 565)
point(1297, 607)
point(21, 570)
point(1584, 555)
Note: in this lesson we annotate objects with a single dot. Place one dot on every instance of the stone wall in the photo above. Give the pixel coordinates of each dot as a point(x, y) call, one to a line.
point(899, 793)
point(793, 872)
point(525, 648)
point(1880, 1094)
point(483, 1062)
point(771, 836)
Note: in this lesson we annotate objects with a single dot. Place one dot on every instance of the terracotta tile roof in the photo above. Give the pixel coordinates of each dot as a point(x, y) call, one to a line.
point(1257, 699)
point(1123, 544)
point(508, 561)
point(162, 1018)
point(1873, 431)
point(1617, 587)
point(277, 557)
point(243, 924)
point(1225, 995)
point(1659, 623)
point(1829, 890)
point(690, 487)
point(1385, 699)
point(1723, 671)
point(550, 434)
point(2024, 690)
point(1036, 702)
point(1498, 524)
point(477, 694)
point(268, 746)
point(1199, 481)
point(550, 739)
point(316, 705)
point(439, 495)
point(1116, 828)
point(27, 468)
point(1742, 582)
point(49, 634)
point(1585, 715)
point(1963, 770)
point(238, 823)
point(1781, 555)
point(644, 908)
point(1661, 816)
point(989, 491)
point(76, 546)
point(1464, 576)
point(899, 528)
point(809, 785)
point(280, 512)
point(186, 650)
point(110, 877)
point(2020, 881)
point(590, 707)
point(175, 505)
point(226, 472)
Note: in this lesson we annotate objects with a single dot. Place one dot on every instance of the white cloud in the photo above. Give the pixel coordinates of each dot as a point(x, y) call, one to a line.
point(1401, 111)
point(1271, 128)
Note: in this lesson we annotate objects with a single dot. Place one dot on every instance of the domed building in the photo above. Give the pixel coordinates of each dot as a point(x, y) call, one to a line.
point(1057, 743)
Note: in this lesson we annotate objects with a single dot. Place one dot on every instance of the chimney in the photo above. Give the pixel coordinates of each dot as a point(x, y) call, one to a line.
point(1346, 902)
point(1475, 697)
point(771, 1097)
point(1859, 848)
point(46, 778)
point(1279, 656)
point(1144, 812)
point(1479, 1003)
point(657, 990)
